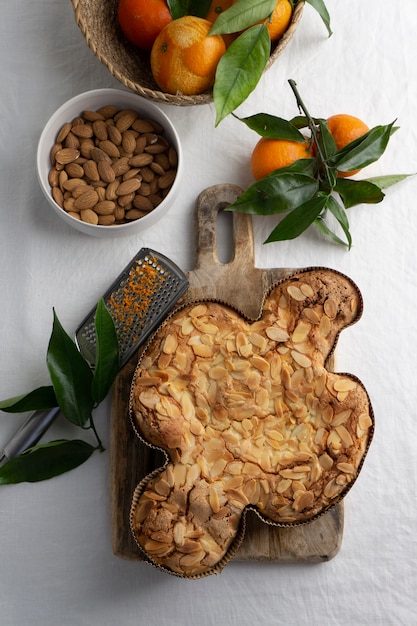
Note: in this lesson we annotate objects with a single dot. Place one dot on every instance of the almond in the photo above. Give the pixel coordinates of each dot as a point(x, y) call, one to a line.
point(74, 170)
point(107, 111)
point(86, 200)
point(82, 130)
point(125, 119)
point(100, 130)
point(91, 170)
point(89, 216)
point(106, 171)
point(128, 186)
point(140, 160)
point(63, 132)
point(105, 207)
point(106, 220)
point(66, 155)
point(99, 155)
point(109, 148)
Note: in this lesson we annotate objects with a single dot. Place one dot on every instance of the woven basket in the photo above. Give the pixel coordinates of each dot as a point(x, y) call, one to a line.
point(97, 20)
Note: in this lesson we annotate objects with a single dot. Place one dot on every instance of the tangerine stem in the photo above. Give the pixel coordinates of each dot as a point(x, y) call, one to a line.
point(312, 126)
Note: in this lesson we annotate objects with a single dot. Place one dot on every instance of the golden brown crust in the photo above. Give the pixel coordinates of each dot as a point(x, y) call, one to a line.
point(249, 416)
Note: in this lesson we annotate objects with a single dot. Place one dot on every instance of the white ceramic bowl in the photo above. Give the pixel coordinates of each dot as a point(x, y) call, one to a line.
point(93, 100)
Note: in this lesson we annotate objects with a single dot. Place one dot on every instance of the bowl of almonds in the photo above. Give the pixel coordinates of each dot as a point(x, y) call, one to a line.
point(109, 163)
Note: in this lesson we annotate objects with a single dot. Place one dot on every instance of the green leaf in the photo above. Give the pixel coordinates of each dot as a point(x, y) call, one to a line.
point(301, 166)
point(301, 121)
point(298, 220)
point(240, 70)
point(39, 399)
point(323, 228)
point(107, 363)
point(241, 15)
point(71, 376)
point(45, 461)
point(354, 192)
point(383, 182)
point(199, 8)
point(277, 193)
point(272, 127)
point(178, 8)
point(325, 141)
point(340, 214)
point(323, 12)
point(363, 151)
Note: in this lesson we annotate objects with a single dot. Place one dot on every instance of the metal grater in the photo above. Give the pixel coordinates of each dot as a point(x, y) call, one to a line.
point(139, 300)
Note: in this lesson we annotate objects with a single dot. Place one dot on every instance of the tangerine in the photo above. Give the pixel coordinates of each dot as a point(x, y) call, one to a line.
point(280, 19)
point(184, 58)
point(344, 129)
point(272, 154)
point(217, 7)
point(142, 20)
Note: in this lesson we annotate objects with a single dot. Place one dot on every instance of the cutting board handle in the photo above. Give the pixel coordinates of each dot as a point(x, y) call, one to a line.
point(209, 203)
point(237, 282)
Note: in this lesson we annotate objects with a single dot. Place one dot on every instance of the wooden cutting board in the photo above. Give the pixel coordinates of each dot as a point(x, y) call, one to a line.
point(242, 285)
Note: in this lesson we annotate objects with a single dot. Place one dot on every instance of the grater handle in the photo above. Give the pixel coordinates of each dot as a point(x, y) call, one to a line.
point(30, 432)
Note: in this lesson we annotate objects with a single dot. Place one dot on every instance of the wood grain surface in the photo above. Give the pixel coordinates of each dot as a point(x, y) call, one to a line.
point(242, 285)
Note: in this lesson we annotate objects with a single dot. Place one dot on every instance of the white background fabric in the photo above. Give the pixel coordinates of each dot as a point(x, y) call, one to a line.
point(56, 561)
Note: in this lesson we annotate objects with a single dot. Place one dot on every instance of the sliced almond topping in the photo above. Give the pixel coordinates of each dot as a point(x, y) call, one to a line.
point(170, 344)
point(260, 363)
point(312, 316)
point(301, 332)
point(296, 293)
point(326, 461)
point(180, 474)
point(187, 326)
point(238, 496)
point(364, 421)
point(332, 489)
point(347, 468)
point(198, 310)
point(330, 308)
point(214, 499)
point(258, 340)
point(344, 384)
point(301, 359)
point(218, 373)
point(325, 325)
point(162, 487)
point(202, 350)
point(307, 290)
point(303, 501)
point(344, 435)
point(179, 533)
point(341, 417)
point(277, 334)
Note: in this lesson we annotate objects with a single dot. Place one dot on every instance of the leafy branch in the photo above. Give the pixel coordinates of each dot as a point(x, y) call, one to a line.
point(245, 60)
point(310, 188)
point(76, 390)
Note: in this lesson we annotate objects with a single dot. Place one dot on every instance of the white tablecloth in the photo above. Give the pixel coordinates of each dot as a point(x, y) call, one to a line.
point(56, 561)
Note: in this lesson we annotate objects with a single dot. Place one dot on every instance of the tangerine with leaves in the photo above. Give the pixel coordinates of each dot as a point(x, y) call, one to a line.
point(142, 20)
point(272, 154)
point(184, 57)
point(345, 129)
